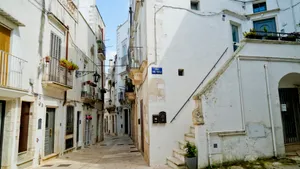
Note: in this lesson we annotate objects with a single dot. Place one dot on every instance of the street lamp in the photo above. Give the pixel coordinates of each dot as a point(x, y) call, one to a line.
point(96, 77)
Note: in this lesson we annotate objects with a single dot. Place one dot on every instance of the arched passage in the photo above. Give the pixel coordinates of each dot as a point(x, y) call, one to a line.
point(288, 88)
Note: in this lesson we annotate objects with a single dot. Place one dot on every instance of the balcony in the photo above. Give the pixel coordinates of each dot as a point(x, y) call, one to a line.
point(88, 94)
point(101, 49)
point(11, 76)
point(136, 74)
point(57, 76)
point(275, 36)
point(129, 90)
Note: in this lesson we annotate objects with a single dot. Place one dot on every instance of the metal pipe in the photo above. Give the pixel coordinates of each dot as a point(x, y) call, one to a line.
point(67, 54)
point(293, 13)
point(208, 149)
point(270, 109)
point(241, 93)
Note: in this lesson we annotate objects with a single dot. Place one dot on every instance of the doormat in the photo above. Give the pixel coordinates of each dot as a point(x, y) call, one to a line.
point(64, 165)
point(133, 151)
point(47, 165)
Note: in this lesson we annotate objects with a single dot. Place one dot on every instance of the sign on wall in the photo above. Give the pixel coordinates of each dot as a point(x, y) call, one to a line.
point(157, 70)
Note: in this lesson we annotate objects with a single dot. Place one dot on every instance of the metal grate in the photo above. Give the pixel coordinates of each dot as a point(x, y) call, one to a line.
point(64, 165)
point(47, 165)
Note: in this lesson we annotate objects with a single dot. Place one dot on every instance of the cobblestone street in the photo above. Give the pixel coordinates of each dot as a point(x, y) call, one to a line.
point(113, 153)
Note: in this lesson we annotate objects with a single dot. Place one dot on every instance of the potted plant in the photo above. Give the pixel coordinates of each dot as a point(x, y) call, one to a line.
point(290, 37)
point(64, 62)
point(252, 34)
point(191, 158)
point(47, 59)
point(72, 66)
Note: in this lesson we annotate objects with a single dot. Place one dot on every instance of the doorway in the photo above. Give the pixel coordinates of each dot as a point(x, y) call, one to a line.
point(2, 113)
point(24, 124)
point(49, 131)
point(142, 126)
point(98, 126)
point(126, 120)
point(78, 126)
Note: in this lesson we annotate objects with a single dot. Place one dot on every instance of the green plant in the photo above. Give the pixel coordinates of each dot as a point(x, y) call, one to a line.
point(73, 66)
point(191, 150)
point(265, 29)
point(64, 62)
point(69, 65)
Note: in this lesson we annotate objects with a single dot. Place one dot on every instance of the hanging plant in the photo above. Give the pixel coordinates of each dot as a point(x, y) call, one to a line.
point(69, 65)
point(64, 62)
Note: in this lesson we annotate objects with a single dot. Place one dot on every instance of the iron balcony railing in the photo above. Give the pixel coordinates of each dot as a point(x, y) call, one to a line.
point(11, 70)
point(101, 46)
point(272, 35)
point(58, 73)
point(129, 87)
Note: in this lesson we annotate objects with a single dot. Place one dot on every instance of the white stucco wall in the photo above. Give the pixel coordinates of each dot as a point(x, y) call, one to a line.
point(222, 106)
point(193, 41)
point(25, 45)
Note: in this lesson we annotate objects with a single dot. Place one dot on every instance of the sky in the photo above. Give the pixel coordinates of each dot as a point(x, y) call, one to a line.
point(114, 13)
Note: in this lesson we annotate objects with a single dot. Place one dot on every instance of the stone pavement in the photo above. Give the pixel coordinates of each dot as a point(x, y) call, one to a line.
point(113, 153)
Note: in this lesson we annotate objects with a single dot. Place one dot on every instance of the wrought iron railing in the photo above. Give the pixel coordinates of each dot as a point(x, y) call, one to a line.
point(101, 47)
point(272, 35)
point(11, 70)
point(85, 94)
point(58, 73)
point(129, 87)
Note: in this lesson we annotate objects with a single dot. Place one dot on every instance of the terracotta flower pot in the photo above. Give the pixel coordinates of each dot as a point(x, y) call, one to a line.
point(47, 59)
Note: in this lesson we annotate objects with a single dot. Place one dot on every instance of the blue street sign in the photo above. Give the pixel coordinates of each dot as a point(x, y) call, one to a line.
point(157, 70)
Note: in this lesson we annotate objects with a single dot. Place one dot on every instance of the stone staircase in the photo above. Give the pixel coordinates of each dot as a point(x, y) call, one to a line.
point(177, 160)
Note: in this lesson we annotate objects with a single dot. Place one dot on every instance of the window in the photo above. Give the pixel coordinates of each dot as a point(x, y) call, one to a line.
point(180, 72)
point(124, 48)
point(55, 49)
point(194, 5)
point(259, 7)
point(235, 36)
point(70, 120)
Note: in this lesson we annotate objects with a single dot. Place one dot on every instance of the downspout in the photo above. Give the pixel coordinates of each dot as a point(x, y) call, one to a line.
point(270, 109)
point(234, 132)
point(66, 72)
point(293, 13)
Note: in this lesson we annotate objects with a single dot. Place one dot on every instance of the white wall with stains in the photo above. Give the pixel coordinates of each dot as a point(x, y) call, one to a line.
point(222, 105)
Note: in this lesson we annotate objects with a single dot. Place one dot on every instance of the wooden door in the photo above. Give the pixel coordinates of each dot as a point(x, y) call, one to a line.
point(23, 137)
point(142, 126)
point(49, 131)
point(4, 50)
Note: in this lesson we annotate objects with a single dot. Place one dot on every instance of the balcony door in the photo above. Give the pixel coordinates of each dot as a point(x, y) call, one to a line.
point(268, 24)
point(55, 53)
point(4, 50)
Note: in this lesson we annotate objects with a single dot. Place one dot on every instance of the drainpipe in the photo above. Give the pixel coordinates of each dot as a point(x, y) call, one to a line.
point(270, 109)
point(293, 13)
point(243, 130)
point(66, 73)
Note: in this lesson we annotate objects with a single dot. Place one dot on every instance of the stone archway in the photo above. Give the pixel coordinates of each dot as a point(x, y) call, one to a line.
point(288, 89)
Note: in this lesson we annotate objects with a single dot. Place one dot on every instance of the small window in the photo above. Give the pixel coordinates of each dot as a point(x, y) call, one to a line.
point(180, 72)
point(194, 5)
point(259, 7)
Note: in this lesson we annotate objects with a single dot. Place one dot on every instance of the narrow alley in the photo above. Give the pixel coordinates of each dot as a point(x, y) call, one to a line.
point(113, 153)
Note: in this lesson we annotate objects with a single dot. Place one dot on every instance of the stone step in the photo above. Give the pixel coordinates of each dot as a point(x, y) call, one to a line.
point(175, 163)
point(189, 137)
point(192, 129)
point(182, 144)
point(179, 153)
